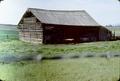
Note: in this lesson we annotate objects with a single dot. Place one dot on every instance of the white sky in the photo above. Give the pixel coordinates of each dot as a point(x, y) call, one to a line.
point(103, 11)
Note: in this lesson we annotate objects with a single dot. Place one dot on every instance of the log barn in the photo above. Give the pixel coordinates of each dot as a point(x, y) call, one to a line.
point(60, 26)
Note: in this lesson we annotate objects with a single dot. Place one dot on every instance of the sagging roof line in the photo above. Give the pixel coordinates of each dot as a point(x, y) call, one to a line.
point(63, 17)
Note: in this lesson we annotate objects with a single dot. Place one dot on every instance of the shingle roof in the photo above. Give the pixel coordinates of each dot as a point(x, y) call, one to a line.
point(62, 17)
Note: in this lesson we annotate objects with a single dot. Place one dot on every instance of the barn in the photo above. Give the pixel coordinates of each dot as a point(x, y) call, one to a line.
point(60, 26)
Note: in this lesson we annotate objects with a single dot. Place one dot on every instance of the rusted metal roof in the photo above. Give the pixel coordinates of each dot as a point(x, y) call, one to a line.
point(62, 17)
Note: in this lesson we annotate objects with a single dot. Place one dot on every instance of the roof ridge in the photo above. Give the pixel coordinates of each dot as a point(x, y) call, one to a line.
point(57, 10)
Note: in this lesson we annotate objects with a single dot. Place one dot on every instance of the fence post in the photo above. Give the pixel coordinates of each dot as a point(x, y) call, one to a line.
point(7, 36)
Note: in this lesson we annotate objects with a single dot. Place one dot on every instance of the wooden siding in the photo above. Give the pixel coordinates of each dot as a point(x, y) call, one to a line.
point(31, 31)
point(70, 34)
point(104, 34)
point(30, 20)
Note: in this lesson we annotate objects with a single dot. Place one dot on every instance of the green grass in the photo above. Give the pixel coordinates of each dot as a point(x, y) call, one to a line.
point(92, 69)
point(83, 69)
point(19, 47)
point(8, 35)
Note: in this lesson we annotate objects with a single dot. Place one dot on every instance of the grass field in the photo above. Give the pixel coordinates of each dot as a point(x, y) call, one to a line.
point(82, 69)
point(8, 32)
point(95, 69)
point(19, 47)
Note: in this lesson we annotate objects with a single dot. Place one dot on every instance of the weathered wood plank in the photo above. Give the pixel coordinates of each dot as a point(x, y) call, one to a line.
point(29, 20)
point(31, 32)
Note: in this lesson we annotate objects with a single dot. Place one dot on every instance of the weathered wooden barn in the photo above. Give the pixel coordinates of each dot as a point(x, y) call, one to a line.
point(60, 26)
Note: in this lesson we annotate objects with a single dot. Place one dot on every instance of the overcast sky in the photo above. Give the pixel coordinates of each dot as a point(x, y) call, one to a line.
point(103, 11)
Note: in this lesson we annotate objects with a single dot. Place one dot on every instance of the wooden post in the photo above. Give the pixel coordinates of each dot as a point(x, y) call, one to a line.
point(114, 35)
point(7, 36)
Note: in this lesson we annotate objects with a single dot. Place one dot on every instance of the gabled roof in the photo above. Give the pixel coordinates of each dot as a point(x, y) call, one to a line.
point(62, 17)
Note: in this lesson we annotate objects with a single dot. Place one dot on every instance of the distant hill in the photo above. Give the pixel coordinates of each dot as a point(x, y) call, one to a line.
point(9, 32)
point(8, 27)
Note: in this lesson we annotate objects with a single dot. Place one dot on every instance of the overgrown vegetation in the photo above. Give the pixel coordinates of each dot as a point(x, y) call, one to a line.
point(19, 47)
point(81, 69)
point(86, 69)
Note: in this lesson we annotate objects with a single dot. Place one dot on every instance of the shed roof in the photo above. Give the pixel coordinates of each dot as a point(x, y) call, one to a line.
point(62, 17)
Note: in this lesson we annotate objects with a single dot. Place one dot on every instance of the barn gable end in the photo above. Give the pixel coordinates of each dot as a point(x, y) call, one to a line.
point(30, 28)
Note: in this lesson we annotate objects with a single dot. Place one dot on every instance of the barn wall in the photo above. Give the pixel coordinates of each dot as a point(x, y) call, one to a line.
point(70, 34)
point(31, 30)
point(104, 34)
